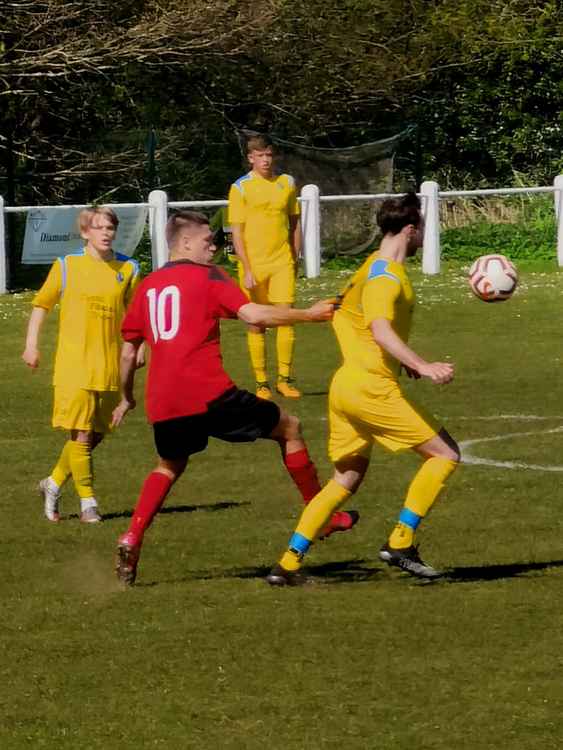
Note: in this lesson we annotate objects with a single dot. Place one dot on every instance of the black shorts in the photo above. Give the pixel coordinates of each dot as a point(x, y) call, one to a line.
point(237, 417)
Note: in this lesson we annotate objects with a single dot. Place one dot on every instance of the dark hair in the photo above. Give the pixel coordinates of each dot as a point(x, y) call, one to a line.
point(258, 142)
point(396, 213)
point(180, 220)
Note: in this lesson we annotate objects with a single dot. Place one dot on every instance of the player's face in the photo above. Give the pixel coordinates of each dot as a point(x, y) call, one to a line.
point(100, 234)
point(415, 239)
point(201, 244)
point(261, 161)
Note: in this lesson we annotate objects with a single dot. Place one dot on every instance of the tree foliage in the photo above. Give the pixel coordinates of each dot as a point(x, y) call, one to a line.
point(83, 83)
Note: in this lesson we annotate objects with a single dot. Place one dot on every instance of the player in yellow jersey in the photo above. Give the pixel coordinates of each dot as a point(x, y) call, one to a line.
point(366, 404)
point(264, 219)
point(93, 288)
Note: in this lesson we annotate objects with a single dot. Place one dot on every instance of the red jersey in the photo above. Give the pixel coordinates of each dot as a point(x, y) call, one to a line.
point(176, 310)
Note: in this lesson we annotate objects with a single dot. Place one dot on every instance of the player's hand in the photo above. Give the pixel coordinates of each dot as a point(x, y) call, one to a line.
point(118, 414)
point(31, 357)
point(140, 360)
point(249, 280)
point(411, 373)
point(322, 310)
point(438, 372)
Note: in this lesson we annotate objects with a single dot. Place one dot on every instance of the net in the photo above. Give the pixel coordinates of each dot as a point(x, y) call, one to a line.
point(346, 228)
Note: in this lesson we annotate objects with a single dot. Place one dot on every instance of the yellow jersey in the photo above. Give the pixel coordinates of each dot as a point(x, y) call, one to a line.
point(263, 207)
point(379, 289)
point(93, 296)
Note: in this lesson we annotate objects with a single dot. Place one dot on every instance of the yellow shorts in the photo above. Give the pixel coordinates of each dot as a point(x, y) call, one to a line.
point(275, 285)
point(359, 415)
point(79, 409)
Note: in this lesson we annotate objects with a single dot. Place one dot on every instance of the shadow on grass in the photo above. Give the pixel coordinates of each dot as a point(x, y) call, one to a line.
point(208, 508)
point(497, 572)
point(345, 571)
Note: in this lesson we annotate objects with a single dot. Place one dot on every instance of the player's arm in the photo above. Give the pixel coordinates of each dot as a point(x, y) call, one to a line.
point(127, 369)
point(43, 301)
point(270, 316)
point(31, 355)
point(295, 236)
point(384, 335)
point(237, 218)
point(240, 251)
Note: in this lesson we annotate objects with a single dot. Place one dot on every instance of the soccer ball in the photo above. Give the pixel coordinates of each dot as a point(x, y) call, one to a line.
point(493, 278)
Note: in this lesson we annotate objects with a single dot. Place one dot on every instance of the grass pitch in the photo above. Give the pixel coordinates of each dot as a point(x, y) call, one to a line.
point(203, 654)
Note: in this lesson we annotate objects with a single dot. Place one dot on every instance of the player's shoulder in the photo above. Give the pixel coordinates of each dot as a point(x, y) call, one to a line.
point(75, 256)
point(381, 268)
point(242, 182)
point(130, 265)
point(287, 180)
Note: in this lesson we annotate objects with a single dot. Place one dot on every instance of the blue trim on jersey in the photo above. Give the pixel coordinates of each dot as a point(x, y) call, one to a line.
point(409, 518)
point(127, 259)
point(299, 543)
point(244, 178)
point(62, 261)
point(379, 268)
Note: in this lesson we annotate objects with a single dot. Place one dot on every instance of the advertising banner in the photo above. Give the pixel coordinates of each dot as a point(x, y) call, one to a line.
point(51, 232)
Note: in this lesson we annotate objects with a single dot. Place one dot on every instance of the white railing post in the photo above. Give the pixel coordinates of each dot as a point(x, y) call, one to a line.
point(558, 199)
point(431, 212)
point(3, 256)
point(158, 216)
point(311, 230)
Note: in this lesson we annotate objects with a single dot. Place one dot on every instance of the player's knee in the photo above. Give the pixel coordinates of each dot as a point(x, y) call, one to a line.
point(293, 428)
point(173, 469)
point(449, 448)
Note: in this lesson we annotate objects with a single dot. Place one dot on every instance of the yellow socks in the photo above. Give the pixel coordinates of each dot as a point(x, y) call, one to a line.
point(313, 519)
point(422, 493)
point(257, 350)
point(62, 471)
point(284, 345)
point(80, 457)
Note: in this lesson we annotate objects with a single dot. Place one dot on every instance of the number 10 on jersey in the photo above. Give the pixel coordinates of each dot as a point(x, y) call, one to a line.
point(164, 312)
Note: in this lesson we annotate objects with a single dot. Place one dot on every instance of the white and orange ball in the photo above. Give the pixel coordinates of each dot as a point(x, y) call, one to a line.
point(493, 278)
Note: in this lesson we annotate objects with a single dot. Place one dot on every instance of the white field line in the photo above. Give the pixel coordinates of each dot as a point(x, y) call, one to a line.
point(515, 417)
point(468, 458)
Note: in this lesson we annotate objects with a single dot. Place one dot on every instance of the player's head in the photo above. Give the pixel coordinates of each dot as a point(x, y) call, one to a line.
point(402, 216)
point(260, 154)
point(98, 225)
point(189, 235)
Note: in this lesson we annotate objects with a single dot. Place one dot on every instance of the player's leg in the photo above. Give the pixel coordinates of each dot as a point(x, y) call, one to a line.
point(281, 292)
point(92, 418)
point(82, 445)
point(256, 339)
point(175, 440)
point(441, 457)
point(348, 475)
point(287, 433)
point(153, 493)
point(50, 487)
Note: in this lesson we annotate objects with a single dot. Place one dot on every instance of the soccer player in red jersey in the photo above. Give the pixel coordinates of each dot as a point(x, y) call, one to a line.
point(189, 396)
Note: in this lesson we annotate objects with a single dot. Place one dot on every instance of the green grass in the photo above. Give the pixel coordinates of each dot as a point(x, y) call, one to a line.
point(203, 654)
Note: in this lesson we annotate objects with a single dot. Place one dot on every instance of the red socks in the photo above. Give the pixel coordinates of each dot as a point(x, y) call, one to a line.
point(153, 494)
point(303, 472)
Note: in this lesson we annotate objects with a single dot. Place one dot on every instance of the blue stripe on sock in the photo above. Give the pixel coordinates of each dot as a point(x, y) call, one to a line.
point(409, 518)
point(299, 543)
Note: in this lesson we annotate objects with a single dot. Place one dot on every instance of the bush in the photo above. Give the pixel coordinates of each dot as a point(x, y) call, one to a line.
point(532, 236)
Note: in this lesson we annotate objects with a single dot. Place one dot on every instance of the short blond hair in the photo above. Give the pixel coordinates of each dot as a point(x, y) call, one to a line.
point(86, 216)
